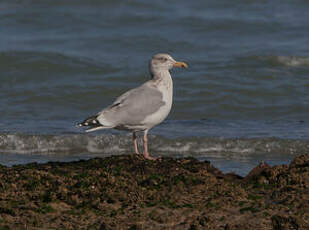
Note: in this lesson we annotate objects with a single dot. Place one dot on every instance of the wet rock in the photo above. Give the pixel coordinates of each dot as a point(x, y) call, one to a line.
point(284, 223)
point(300, 161)
point(127, 192)
point(103, 226)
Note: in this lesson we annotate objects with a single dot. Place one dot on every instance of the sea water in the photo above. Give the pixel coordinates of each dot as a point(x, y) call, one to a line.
point(243, 99)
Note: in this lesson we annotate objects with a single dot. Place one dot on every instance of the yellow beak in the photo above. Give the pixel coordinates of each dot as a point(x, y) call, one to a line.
point(180, 64)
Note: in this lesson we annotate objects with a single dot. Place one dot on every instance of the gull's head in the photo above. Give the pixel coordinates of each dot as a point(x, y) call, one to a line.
point(161, 62)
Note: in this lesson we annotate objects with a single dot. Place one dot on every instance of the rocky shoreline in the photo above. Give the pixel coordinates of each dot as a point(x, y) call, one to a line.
point(128, 192)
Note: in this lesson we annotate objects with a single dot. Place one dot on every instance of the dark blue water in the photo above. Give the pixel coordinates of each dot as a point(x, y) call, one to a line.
point(62, 61)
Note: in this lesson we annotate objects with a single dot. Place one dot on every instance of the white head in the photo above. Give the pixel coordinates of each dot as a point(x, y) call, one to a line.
point(164, 62)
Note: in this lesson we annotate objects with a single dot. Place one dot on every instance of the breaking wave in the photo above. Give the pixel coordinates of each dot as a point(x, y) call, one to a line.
point(119, 144)
point(293, 61)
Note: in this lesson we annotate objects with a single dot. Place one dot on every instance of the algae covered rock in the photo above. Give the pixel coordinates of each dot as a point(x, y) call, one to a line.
point(128, 192)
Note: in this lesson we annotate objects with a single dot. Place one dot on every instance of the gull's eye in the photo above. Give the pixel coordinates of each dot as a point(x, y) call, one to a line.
point(163, 59)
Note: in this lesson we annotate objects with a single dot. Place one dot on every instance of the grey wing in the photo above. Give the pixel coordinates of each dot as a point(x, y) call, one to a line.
point(132, 107)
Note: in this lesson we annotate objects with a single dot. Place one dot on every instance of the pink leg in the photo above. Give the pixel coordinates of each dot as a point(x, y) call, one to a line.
point(135, 143)
point(146, 153)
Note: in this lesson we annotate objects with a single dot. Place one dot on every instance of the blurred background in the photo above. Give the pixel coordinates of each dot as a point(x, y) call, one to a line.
point(244, 96)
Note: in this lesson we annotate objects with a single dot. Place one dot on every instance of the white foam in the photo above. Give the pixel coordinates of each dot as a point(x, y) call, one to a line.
point(120, 144)
point(293, 60)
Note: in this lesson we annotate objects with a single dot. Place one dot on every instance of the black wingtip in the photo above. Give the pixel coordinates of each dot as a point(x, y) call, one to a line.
point(90, 121)
point(79, 125)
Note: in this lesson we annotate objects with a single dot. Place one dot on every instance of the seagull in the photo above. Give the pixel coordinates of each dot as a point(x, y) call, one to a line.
point(141, 108)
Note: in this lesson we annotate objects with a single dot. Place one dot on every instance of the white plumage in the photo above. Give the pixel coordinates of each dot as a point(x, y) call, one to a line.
point(141, 108)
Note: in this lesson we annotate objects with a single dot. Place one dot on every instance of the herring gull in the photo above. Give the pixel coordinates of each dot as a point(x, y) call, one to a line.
point(141, 108)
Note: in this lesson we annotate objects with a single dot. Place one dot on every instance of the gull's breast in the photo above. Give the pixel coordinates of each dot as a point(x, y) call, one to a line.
point(166, 88)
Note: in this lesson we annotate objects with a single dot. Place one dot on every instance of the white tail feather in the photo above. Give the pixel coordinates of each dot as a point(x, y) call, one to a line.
point(98, 128)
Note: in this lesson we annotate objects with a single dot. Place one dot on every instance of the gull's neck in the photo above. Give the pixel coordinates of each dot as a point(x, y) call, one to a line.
point(158, 74)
